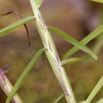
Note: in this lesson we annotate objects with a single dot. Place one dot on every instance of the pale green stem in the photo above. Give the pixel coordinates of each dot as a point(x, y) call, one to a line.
point(52, 54)
point(6, 86)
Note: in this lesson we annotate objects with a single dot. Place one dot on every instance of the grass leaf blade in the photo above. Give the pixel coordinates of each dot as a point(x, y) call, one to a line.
point(24, 75)
point(73, 41)
point(98, 1)
point(95, 90)
point(11, 27)
point(73, 60)
point(58, 99)
point(86, 40)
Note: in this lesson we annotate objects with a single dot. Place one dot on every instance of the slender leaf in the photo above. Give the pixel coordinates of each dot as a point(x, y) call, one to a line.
point(86, 40)
point(95, 90)
point(24, 75)
point(73, 41)
point(58, 99)
point(98, 1)
point(73, 60)
point(11, 27)
point(39, 2)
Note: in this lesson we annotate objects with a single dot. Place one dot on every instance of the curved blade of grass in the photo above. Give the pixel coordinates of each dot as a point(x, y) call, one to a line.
point(98, 1)
point(73, 41)
point(24, 75)
point(95, 90)
point(11, 27)
point(84, 41)
point(58, 99)
point(73, 60)
point(39, 2)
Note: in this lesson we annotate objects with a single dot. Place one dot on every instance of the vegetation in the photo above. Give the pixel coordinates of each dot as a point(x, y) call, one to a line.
point(52, 55)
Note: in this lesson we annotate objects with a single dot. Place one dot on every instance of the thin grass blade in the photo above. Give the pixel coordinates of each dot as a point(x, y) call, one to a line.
point(24, 75)
point(73, 41)
point(86, 40)
point(58, 99)
point(95, 90)
point(74, 60)
point(98, 1)
point(11, 27)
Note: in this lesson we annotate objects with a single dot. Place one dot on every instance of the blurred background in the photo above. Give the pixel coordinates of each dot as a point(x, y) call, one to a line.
point(75, 17)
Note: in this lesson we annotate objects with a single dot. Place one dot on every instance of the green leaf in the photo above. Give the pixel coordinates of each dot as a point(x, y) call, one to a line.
point(39, 2)
point(96, 89)
point(58, 99)
point(24, 75)
point(73, 60)
point(73, 41)
point(11, 27)
point(86, 40)
point(98, 1)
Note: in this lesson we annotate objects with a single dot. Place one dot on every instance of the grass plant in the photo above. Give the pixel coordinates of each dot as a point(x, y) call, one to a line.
point(52, 54)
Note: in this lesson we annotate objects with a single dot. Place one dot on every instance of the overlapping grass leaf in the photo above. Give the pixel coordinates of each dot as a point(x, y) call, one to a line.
point(24, 74)
point(13, 26)
point(84, 41)
point(73, 41)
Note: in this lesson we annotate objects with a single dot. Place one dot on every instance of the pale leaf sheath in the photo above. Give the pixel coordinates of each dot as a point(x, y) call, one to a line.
point(6, 86)
point(52, 54)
